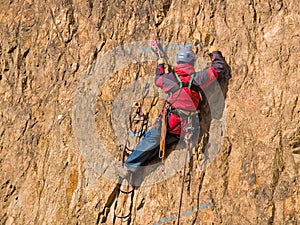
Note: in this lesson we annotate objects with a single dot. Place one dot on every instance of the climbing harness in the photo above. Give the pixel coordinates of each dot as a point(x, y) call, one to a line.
point(179, 112)
point(189, 85)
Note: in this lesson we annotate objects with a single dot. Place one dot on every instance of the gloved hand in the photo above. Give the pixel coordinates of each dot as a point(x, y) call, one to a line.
point(212, 49)
point(161, 61)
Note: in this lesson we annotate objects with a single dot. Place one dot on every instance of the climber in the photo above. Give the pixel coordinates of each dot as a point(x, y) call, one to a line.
point(182, 86)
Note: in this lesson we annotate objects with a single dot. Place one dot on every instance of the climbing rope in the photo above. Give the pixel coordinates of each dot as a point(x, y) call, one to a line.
point(137, 126)
point(187, 139)
point(138, 119)
point(144, 120)
point(137, 116)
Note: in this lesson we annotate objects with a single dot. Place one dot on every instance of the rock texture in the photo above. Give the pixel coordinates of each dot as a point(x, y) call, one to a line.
point(48, 47)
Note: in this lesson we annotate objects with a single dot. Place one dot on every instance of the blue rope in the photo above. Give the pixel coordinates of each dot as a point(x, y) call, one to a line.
point(189, 212)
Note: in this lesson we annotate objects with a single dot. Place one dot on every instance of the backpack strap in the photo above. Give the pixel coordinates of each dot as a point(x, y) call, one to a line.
point(189, 84)
point(179, 80)
point(191, 80)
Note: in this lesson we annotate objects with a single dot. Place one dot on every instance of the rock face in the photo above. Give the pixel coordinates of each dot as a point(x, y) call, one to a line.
point(69, 72)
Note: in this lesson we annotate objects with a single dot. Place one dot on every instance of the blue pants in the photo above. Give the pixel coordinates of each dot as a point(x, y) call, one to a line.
point(147, 148)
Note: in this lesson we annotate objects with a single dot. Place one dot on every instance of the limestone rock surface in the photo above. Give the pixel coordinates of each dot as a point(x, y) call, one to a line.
point(69, 73)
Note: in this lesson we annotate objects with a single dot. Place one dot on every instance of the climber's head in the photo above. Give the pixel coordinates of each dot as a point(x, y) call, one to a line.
point(186, 55)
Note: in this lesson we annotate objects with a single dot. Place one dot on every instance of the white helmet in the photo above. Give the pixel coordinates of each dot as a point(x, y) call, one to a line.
point(185, 55)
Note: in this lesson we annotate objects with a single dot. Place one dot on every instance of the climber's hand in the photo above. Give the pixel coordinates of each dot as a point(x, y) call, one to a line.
point(212, 49)
point(160, 61)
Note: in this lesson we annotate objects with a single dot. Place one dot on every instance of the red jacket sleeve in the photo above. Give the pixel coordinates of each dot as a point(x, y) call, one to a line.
point(160, 70)
point(206, 77)
point(166, 81)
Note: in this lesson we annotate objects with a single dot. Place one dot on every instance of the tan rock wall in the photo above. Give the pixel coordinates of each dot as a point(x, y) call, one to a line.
point(47, 49)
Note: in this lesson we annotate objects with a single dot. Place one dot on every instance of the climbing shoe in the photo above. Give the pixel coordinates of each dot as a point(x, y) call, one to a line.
point(123, 171)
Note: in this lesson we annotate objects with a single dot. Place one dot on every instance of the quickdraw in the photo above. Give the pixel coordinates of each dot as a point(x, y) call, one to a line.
point(156, 49)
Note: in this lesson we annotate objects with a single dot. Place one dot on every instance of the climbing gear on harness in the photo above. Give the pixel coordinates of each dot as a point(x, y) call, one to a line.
point(186, 55)
point(162, 144)
point(184, 115)
point(189, 131)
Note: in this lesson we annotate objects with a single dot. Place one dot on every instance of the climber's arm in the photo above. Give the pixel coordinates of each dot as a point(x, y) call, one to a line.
point(217, 68)
point(165, 81)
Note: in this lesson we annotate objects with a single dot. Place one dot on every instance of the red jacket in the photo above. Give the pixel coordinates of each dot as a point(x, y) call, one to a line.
point(187, 98)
